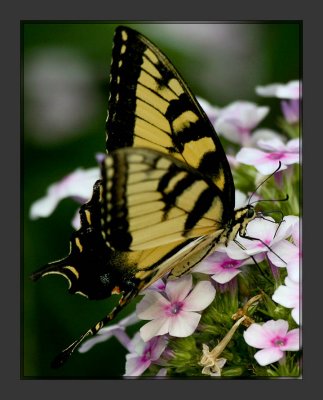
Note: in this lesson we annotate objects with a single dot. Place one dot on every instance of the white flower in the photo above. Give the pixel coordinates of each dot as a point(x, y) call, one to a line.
point(268, 239)
point(236, 121)
point(290, 90)
point(78, 184)
point(288, 295)
point(176, 311)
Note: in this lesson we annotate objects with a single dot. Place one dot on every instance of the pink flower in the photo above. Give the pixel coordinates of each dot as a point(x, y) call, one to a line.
point(267, 162)
point(144, 354)
point(78, 185)
point(236, 121)
point(220, 266)
point(176, 311)
point(273, 338)
point(289, 295)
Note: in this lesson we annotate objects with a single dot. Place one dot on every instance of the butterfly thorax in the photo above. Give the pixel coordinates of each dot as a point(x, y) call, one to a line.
point(238, 224)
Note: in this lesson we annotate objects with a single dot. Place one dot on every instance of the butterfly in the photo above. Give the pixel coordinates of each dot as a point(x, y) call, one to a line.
point(165, 199)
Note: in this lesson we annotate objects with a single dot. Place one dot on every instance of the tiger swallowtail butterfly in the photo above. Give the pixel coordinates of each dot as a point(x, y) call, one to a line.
point(165, 199)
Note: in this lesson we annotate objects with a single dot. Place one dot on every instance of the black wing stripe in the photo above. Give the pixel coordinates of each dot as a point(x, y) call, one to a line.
point(161, 203)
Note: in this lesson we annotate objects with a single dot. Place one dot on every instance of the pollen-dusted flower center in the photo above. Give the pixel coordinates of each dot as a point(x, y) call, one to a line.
point(174, 308)
point(230, 264)
point(279, 341)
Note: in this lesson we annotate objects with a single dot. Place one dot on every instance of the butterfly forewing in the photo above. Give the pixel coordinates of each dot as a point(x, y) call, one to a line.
point(151, 106)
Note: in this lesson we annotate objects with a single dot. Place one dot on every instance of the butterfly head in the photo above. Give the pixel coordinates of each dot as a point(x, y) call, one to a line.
point(241, 218)
point(243, 215)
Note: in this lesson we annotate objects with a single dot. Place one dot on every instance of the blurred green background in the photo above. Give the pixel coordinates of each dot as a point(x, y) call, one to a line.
point(65, 69)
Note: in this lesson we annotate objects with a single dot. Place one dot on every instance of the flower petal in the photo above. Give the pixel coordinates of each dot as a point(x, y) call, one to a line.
point(262, 161)
point(184, 323)
point(76, 221)
point(152, 306)
point(162, 372)
point(286, 251)
point(211, 111)
point(286, 227)
point(256, 337)
point(153, 328)
point(88, 344)
point(135, 365)
point(275, 328)
point(225, 275)
point(78, 184)
point(211, 264)
point(265, 134)
point(293, 269)
point(293, 342)
point(236, 121)
point(200, 297)
point(268, 356)
point(271, 145)
point(296, 234)
point(296, 315)
point(293, 145)
point(235, 252)
point(290, 90)
point(158, 345)
point(240, 199)
point(178, 289)
point(291, 110)
point(286, 296)
point(263, 229)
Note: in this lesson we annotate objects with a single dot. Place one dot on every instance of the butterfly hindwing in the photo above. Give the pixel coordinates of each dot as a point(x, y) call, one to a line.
point(152, 200)
point(151, 106)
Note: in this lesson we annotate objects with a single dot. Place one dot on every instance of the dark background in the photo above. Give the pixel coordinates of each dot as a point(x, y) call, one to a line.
point(68, 63)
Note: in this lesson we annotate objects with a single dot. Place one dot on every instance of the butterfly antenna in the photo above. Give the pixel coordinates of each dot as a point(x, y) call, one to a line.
point(261, 215)
point(265, 180)
point(66, 353)
point(263, 200)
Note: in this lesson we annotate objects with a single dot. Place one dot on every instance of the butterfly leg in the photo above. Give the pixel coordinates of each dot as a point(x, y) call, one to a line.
point(265, 244)
point(66, 353)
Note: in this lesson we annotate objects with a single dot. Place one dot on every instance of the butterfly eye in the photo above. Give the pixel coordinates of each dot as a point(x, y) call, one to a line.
point(250, 213)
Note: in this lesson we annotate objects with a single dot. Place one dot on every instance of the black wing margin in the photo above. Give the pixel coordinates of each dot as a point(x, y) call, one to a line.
point(151, 106)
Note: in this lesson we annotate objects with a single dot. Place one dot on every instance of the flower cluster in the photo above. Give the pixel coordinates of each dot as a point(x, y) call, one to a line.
point(188, 324)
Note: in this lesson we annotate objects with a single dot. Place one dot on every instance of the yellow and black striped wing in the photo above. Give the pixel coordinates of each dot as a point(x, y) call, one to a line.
point(151, 199)
point(150, 106)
